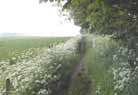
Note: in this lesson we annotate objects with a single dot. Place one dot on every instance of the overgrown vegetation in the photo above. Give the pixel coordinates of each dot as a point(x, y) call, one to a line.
point(118, 18)
point(107, 65)
point(45, 74)
point(105, 70)
point(111, 67)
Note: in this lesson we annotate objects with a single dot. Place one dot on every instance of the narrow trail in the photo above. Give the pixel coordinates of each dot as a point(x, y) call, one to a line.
point(78, 68)
point(77, 71)
point(80, 82)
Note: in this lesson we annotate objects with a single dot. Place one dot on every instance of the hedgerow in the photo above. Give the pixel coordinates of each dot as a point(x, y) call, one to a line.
point(46, 74)
point(107, 64)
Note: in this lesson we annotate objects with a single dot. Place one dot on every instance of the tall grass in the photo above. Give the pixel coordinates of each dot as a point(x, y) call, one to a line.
point(99, 63)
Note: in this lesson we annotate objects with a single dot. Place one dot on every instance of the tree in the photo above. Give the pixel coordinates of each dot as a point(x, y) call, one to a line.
point(109, 17)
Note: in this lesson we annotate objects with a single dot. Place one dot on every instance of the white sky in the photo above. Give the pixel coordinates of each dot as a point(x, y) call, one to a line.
point(31, 18)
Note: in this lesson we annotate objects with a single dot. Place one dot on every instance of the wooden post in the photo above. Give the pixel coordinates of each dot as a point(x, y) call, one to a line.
point(133, 53)
point(7, 86)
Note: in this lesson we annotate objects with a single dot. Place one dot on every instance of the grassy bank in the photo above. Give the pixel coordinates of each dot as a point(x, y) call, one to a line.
point(100, 61)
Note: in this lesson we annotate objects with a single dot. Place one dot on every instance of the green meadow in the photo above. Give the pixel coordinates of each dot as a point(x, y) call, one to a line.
point(10, 46)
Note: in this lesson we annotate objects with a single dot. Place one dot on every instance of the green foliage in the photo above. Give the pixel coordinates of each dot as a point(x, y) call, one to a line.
point(112, 17)
point(117, 17)
point(99, 62)
point(106, 64)
point(132, 84)
point(109, 17)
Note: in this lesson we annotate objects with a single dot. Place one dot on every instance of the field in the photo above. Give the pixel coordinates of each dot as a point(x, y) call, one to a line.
point(10, 46)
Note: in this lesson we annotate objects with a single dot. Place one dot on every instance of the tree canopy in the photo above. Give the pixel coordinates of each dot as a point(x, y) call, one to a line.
point(117, 17)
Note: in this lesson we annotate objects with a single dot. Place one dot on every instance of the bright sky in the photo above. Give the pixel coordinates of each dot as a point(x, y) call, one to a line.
point(31, 18)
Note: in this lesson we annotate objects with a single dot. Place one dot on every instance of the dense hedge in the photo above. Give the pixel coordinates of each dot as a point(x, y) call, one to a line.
point(46, 74)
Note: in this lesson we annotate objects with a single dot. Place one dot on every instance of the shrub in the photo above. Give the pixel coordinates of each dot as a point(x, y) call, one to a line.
point(45, 74)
